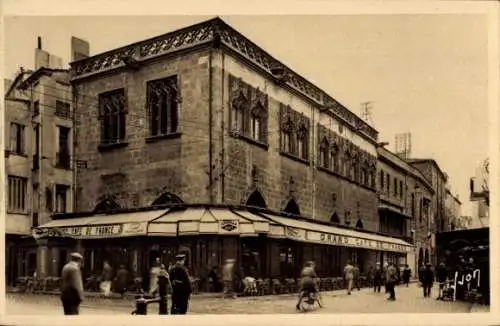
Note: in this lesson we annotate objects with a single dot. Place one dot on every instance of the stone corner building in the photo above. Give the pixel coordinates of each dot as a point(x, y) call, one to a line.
point(203, 118)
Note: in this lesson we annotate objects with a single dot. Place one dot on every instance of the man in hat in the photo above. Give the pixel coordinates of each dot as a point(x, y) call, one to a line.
point(181, 286)
point(349, 276)
point(72, 285)
point(377, 278)
point(428, 279)
point(390, 281)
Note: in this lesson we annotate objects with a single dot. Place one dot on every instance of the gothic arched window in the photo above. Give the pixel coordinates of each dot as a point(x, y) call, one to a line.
point(256, 200)
point(303, 142)
point(162, 101)
point(324, 153)
point(292, 208)
point(167, 198)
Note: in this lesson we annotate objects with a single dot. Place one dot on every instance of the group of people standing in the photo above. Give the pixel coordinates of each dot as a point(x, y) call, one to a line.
point(175, 280)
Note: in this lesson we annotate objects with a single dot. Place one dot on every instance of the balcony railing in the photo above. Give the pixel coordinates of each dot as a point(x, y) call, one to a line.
point(63, 160)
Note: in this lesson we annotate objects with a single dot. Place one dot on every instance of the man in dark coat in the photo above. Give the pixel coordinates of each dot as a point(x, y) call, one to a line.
point(427, 279)
point(122, 280)
point(377, 278)
point(407, 275)
point(72, 285)
point(181, 286)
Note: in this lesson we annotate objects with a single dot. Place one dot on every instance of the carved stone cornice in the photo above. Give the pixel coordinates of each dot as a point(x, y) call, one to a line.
point(216, 32)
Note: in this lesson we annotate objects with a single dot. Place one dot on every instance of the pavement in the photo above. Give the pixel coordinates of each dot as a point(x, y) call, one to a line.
point(408, 300)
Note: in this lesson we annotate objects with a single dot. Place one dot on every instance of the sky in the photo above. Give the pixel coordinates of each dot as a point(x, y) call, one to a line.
point(424, 74)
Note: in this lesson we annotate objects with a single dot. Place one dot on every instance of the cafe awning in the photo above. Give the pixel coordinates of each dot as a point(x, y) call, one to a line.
point(192, 221)
point(100, 226)
point(310, 232)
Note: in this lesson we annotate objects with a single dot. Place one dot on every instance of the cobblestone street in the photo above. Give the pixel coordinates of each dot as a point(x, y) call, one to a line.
point(409, 300)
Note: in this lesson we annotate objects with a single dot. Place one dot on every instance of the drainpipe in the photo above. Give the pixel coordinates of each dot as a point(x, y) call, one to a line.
point(75, 101)
point(210, 147)
point(312, 152)
point(223, 115)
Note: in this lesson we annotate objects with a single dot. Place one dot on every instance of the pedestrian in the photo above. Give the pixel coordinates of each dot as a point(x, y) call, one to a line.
point(228, 273)
point(349, 276)
point(163, 288)
point(384, 276)
point(72, 285)
point(107, 277)
point(406, 275)
point(122, 280)
point(181, 286)
point(421, 270)
point(427, 279)
point(153, 277)
point(377, 278)
point(442, 276)
point(391, 279)
point(356, 276)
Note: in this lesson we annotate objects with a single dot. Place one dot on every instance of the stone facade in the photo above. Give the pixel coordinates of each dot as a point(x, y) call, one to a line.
point(143, 167)
point(413, 197)
point(39, 102)
point(240, 163)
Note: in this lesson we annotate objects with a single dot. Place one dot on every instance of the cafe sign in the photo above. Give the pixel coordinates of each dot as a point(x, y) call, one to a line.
point(349, 241)
point(94, 231)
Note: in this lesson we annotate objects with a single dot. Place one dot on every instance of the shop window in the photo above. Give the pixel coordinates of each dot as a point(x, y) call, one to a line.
point(167, 198)
point(287, 262)
point(256, 200)
point(292, 208)
point(162, 99)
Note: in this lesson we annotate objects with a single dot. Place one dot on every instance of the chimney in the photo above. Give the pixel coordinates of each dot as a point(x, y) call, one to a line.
point(42, 58)
point(80, 49)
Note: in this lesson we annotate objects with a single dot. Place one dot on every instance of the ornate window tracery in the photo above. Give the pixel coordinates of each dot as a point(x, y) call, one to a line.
point(162, 102)
point(112, 116)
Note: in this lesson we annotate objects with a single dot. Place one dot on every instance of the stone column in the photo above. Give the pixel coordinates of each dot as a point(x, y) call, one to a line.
point(54, 258)
point(42, 266)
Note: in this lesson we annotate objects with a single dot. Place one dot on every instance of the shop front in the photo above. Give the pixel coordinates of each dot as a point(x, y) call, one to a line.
point(265, 245)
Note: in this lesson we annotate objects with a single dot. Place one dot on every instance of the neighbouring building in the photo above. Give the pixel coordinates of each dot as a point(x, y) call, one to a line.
point(405, 205)
point(438, 220)
point(453, 208)
point(480, 196)
point(200, 141)
point(38, 151)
